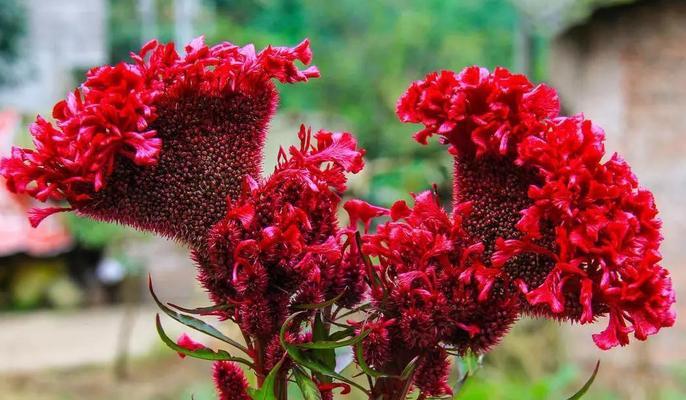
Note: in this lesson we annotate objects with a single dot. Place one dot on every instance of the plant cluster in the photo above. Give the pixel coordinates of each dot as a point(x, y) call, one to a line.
point(540, 224)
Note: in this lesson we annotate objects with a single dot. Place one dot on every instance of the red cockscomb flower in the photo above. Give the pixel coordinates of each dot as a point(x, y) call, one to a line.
point(279, 245)
point(430, 290)
point(577, 235)
point(230, 381)
point(160, 142)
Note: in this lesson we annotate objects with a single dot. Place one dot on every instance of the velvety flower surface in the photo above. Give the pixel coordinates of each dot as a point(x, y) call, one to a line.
point(160, 142)
point(430, 290)
point(279, 245)
point(576, 234)
point(230, 381)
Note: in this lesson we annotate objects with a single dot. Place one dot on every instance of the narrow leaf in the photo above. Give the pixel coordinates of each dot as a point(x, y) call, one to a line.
point(194, 323)
point(409, 368)
point(209, 310)
point(580, 393)
point(326, 357)
point(308, 388)
point(204, 353)
point(304, 360)
point(266, 392)
point(343, 333)
point(330, 344)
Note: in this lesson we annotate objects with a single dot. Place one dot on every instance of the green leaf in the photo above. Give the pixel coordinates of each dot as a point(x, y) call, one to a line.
point(580, 393)
point(266, 392)
point(460, 384)
point(326, 357)
point(409, 369)
point(194, 323)
point(204, 353)
point(200, 310)
point(303, 359)
point(330, 344)
point(308, 388)
point(316, 306)
point(343, 333)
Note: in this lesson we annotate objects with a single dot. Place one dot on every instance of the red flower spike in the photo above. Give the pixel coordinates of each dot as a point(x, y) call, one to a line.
point(431, 377)
point(279, 245)
point(577, 236)
point(158, 143)
point(230, 381)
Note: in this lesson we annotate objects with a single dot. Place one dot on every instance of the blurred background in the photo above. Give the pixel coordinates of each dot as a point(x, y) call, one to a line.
point(75, 318)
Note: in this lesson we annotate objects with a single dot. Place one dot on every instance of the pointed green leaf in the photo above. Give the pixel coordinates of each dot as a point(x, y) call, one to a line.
point(409, 368)
point(204, 353)
point(303, 359)
point(460, 384)
point(209, 310)
point(266, 392)
point(344, 333)
point(327, 357)
point(580, 393)
point(330, 344)
point(194, 323)
point(308, 388)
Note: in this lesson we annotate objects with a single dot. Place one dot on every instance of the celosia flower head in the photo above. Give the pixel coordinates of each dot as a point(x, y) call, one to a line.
point(429, 290)
point(576, 235)
point(279, 245)
point(160, 142)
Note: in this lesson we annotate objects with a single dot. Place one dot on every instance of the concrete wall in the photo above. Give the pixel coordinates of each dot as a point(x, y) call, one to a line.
point(61, 36)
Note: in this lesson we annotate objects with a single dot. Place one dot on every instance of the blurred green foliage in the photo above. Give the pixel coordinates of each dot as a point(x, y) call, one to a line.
point(368, 53)
point(96, 235)
point(12, 28)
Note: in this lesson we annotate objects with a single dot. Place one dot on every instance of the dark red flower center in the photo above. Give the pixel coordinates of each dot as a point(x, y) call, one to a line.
point(208, 145)
point(497, 189)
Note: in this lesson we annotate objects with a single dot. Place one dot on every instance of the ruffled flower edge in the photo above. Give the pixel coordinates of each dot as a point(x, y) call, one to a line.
point(253, 229)
point(110, 115)
point(607, 231)
point(422, 252)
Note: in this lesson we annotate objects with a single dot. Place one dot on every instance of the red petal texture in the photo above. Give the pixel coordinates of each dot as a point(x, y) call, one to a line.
point(575, 234)
point(431, 290)
point(279, 245)
point(160, 142)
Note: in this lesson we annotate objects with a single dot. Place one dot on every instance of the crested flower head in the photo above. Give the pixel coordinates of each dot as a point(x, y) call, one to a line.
point(430, 289)
point(576, 235)
point(279, 245)
point(160, 142)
